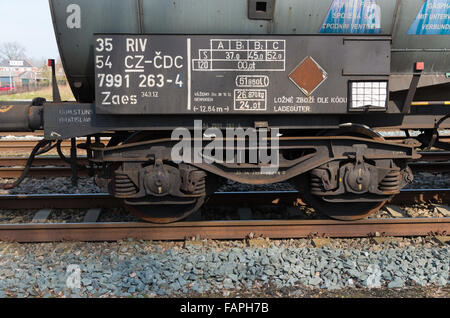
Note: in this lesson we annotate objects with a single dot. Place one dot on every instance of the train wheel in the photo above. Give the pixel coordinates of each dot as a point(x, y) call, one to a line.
point(165, 213)
point(168, 209)
point(165, 209)
point(345, 211)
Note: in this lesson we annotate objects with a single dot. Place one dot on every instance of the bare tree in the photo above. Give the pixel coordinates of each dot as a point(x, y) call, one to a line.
point(12, 51)
point(37, 61)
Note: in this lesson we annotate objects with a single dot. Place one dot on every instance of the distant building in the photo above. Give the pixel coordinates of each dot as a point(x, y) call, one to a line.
point(17, 66)
point(18, 72)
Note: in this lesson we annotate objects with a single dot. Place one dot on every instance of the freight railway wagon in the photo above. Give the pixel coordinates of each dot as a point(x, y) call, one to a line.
point(197, 92)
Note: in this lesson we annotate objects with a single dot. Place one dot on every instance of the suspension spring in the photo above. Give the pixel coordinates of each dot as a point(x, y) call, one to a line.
point(391, 182)
point(315, 183)
point(123, 186)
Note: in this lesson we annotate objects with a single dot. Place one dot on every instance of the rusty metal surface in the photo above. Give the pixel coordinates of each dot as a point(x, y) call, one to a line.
point(38, 162)
point(40, 172)
point(27, 145)
point(308, 75)
point(42, 167)
point(220, 229)
point(55, 167)
point(409, 196)
point(435, 155)
point(406, 196)
point(325, 149)
point(11, 145)
point(104, 200)
point(38, 133)
point(58, 201)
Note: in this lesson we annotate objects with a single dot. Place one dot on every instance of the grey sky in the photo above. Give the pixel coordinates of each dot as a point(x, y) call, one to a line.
point(28, 22)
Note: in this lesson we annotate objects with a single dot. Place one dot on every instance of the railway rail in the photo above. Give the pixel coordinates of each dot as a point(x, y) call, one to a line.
point(235, 229)
point(51, 166)
point(221, 229)
point(28, 145)
point(104, 200)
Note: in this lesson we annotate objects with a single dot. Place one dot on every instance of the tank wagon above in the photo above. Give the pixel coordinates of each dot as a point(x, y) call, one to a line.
point(418, 28)
point(194, 92)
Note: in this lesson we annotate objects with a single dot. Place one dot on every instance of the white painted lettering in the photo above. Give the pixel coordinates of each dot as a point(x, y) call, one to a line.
point(74, 19)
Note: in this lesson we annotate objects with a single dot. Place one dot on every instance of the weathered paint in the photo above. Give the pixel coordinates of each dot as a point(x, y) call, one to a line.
point(432, 19)
point(76, 21)
point(353, 17)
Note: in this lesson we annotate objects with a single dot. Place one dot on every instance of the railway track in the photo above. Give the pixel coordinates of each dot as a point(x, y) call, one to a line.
point(244, 198)
point(28, 145)
point(99, 231)
point(276, 229)
point(90, 230)
point(41, 167)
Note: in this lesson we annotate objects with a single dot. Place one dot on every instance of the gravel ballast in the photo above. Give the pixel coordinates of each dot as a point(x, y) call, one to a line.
point(152, 269)
point(52, 185)
point(146, 269)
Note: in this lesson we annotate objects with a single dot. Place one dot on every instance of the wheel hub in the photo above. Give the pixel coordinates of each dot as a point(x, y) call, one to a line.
point(353, 188)
point(357, 180)
point(157, 179)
